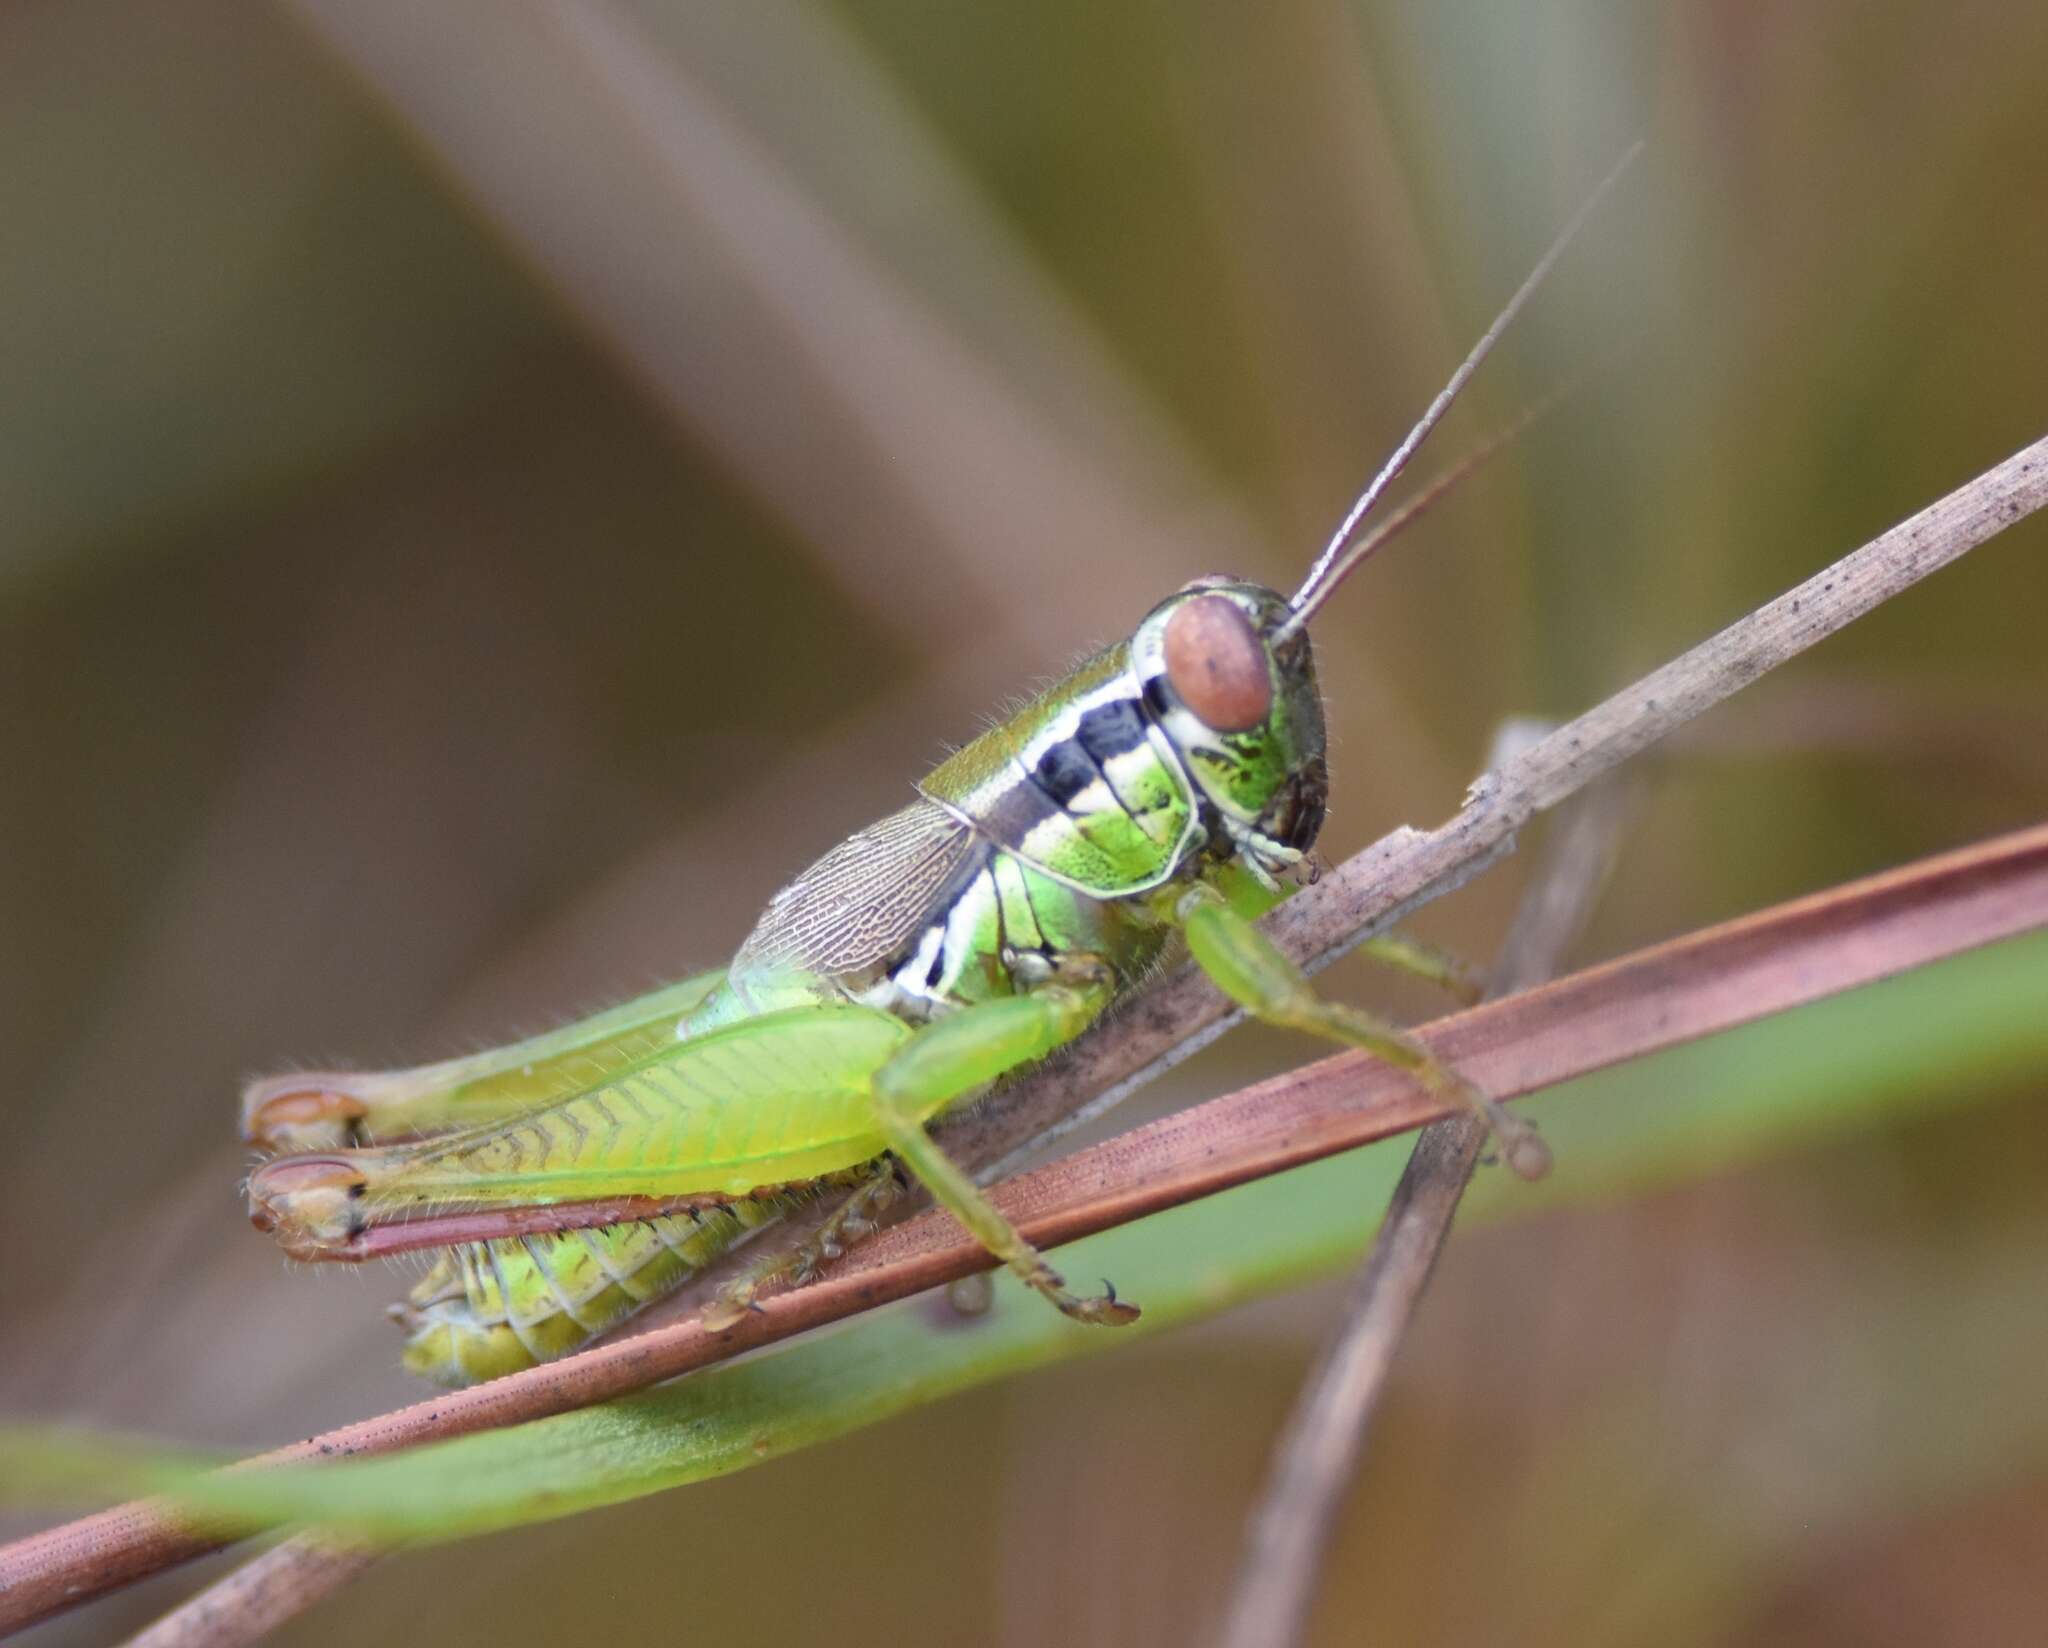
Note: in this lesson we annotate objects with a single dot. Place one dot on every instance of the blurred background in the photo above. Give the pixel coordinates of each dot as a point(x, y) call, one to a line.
point(487, 493)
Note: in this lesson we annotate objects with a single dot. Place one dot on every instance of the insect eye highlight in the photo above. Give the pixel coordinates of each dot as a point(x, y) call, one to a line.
point(1216, 664)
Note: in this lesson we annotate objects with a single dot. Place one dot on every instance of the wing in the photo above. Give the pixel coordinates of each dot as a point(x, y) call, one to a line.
point(863, 901)
point(326, 1109)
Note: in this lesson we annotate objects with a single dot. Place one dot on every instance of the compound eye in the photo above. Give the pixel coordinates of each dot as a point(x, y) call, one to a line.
point(1216, 664)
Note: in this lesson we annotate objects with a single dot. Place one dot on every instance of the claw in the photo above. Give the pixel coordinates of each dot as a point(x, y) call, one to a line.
point(1105, 1311)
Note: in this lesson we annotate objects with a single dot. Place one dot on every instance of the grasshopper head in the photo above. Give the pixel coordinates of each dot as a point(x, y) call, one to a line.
point(1239, 703)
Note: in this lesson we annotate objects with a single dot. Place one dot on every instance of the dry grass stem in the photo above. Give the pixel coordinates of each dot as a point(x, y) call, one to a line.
point(1709, 981)
point(248, 1604)
point(1289, 1529)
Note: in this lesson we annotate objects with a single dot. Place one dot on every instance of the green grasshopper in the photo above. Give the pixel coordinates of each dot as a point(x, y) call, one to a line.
point(1172, 784)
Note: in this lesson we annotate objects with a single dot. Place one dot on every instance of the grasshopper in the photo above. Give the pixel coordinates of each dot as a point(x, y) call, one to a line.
point(1170, 786)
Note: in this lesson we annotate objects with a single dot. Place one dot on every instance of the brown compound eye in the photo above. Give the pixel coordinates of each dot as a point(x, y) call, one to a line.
point(1216, 664)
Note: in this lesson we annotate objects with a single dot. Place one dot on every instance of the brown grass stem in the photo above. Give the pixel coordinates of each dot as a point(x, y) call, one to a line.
point(1653, 999)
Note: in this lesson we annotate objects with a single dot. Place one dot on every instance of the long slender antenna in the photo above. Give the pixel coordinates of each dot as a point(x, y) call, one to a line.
point(1334, 565)
point(1445, 481)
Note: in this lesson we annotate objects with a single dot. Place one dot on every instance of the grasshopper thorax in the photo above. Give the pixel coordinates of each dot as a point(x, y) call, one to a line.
point(1238, 701)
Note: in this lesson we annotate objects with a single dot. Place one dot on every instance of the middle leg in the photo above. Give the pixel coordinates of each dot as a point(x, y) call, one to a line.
point(951, 1057)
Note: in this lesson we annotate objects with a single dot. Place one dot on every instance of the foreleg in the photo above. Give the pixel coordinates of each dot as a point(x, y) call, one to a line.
point(1248, 968)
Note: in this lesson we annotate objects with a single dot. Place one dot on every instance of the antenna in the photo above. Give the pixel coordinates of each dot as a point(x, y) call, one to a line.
point(1341, 555)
